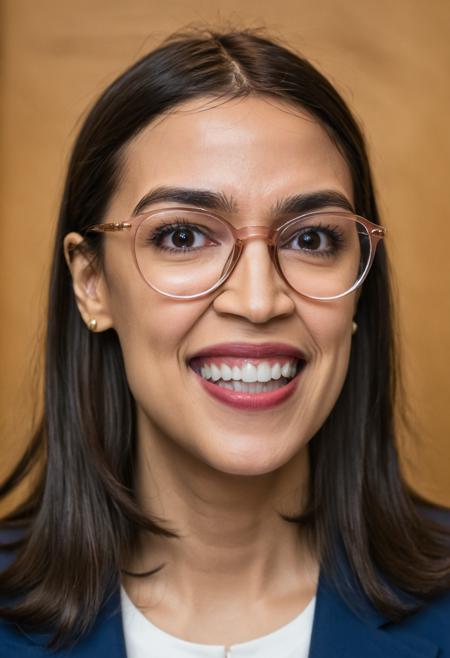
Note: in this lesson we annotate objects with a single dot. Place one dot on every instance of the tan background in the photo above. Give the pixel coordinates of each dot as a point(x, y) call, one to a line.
point(391, 61)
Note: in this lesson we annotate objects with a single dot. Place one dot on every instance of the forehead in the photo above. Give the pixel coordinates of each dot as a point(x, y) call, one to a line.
point(254, 150)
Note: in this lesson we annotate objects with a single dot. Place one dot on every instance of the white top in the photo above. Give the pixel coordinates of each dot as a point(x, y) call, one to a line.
point(144, 640)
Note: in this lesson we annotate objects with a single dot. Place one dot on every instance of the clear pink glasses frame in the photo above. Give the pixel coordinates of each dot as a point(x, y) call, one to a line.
point(270, 235)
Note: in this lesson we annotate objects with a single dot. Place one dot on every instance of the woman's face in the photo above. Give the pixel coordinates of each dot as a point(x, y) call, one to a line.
point(256, 154)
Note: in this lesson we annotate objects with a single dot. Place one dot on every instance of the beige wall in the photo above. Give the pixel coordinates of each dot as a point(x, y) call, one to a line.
point(391, 61)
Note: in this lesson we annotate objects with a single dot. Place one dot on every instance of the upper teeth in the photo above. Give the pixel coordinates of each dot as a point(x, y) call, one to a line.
point(263, 372)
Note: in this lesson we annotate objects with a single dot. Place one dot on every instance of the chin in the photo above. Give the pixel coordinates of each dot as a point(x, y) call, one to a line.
point(248, 463)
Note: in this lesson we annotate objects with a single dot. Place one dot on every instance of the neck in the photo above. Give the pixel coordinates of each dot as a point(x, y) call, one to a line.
point(232, 540)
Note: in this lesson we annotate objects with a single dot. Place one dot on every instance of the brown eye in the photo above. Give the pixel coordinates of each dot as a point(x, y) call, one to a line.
point(178, 238)
point(311, 239)
point(183, 238)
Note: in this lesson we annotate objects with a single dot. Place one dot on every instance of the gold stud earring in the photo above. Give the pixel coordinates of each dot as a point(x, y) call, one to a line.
point(354, 327)
point(92, 325)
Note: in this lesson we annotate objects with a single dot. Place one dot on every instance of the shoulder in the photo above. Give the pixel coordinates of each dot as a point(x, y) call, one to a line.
point(355, 631)
point(435, 616)
point(432, 621)
point(427, 630)
point(13, 642)
point(8, 538)
point(347, 619)
point(435, 512)
point(10, 640)
point(104, 639)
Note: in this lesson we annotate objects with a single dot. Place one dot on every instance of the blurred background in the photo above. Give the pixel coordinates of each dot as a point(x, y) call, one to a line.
point(390, 59)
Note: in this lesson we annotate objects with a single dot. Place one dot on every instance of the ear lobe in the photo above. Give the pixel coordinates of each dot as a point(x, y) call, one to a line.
point(88, 282)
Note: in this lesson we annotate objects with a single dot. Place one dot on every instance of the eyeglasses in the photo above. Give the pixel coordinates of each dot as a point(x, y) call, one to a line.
point(187, 253)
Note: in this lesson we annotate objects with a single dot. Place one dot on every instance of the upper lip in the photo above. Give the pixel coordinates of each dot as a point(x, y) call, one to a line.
point(250, 350)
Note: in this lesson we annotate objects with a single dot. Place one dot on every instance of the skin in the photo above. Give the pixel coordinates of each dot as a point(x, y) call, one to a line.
point(220, 477)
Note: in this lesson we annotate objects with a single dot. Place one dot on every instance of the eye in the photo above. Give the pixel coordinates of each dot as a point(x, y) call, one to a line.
point(314, 239)
point(184, 237)
point(179, 237)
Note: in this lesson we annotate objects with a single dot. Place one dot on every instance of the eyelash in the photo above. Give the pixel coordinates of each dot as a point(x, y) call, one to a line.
point(333, 233)
point(161, 232)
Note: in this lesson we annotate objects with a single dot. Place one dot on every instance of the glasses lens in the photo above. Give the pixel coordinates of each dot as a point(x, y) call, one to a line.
point(182, 252)
point(323, 255)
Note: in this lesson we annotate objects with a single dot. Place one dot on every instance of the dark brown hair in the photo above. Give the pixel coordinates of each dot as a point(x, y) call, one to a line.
point(82, 509)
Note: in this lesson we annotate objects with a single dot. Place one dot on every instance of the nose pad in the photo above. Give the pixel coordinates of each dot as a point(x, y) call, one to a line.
point(255, 289)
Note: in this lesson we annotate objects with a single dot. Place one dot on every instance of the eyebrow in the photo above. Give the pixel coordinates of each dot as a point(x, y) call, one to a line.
point(218, 201)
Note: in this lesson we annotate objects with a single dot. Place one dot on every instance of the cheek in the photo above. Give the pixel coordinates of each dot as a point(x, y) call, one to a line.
point(329, 325)
point(151, 328)
point(329, 330)
point(152, 331)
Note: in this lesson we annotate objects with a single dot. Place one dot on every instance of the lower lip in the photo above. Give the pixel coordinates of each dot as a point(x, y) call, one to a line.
point(250, 401)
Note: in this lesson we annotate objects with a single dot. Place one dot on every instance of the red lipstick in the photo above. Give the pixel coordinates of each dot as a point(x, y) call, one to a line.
point(251, 350)
point(239, 399)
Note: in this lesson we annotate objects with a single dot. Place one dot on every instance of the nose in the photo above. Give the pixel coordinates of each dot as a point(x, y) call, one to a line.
point(255, 290)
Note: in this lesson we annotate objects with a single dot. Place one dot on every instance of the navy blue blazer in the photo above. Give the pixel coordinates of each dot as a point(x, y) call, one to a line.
point(338, 632)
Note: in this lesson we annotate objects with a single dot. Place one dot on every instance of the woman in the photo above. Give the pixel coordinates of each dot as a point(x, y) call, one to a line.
point(221, 476)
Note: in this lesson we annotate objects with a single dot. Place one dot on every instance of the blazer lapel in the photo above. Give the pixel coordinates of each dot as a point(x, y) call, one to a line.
point(339, 632)
point(107, 638)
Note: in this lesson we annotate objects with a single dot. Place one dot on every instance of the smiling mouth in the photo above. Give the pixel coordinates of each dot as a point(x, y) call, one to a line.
point(248, 375)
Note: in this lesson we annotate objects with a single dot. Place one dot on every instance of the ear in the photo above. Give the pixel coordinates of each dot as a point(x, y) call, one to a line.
point(89, 286)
